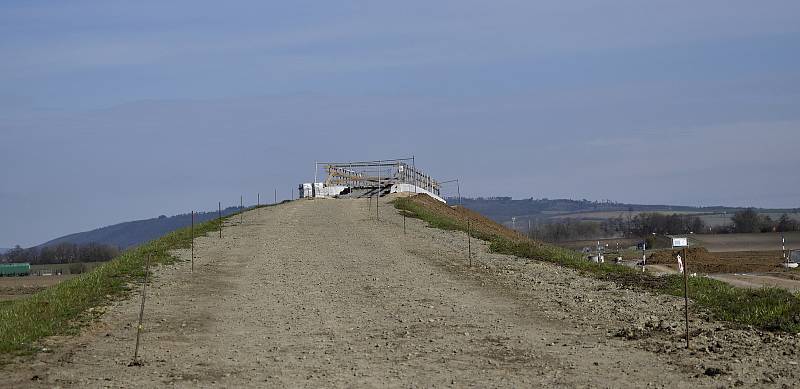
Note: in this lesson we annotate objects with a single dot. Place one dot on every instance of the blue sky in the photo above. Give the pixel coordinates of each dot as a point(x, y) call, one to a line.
point(111, 110)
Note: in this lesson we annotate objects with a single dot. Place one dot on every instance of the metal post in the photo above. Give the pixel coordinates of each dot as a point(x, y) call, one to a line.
point(276, 196)
point(783, 248)
point(414, 168)
point(644, 252)
point(598, 251)
point(314, 184)
point(241, 208)
point(141, 313)
point(686, 292)
point(458, 187)
point(192, 240)
point(219, 213)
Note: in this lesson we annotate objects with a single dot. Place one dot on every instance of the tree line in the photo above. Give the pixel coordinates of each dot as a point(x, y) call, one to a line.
point(647, 224)
point(748, 220)
point(661, 224)
point(572, 229)
point(61, 253)
point(640, 225)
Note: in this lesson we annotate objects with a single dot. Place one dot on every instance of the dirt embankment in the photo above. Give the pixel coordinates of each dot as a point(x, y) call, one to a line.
point(319, 293)
point(477, 221)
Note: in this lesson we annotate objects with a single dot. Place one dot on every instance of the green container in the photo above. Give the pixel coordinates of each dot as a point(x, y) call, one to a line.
point(15, 269)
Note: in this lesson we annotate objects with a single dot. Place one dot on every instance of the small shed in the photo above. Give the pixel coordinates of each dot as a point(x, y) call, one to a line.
point(14, 269)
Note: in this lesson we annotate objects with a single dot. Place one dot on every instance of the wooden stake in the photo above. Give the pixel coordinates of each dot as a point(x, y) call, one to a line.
point(192, 241)
point(378, 196)
point(686, 293)
point(139, 328)
point(469, 243)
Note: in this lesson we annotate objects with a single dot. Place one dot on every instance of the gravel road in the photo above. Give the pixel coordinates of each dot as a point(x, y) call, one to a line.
point(318, 293)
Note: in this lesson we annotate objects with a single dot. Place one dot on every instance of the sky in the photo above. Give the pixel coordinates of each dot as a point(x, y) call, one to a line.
point(114, 110)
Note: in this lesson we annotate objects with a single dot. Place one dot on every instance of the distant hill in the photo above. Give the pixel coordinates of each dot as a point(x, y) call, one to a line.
point(502, 209)
point(133, 233)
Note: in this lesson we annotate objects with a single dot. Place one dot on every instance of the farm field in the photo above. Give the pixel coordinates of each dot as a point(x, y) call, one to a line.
point(710, 219)
point(592, 243)
point(65, 268)
point(705, 262)
point(12, 288)
point(746, 242)
point(599, 215)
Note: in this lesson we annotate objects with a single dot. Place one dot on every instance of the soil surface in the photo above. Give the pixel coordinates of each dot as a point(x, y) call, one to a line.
point(768, 241)
point(319, 294)
point(12, 288)
point(703, 261)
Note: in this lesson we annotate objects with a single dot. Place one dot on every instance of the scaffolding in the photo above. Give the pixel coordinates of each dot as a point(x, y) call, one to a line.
point(377, 174)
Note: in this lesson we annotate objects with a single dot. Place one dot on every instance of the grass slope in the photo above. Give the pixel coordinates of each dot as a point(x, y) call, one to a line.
point(63, 308)
point(766, 308)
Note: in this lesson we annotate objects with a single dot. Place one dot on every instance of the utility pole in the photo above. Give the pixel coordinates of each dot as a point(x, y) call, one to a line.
point(458, 188)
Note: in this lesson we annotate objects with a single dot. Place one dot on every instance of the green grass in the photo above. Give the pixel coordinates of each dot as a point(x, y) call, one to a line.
point(62, 309)
point(766, 308)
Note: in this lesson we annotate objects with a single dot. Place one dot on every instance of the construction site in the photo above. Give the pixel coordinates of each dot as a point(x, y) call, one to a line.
point(323, 294)
point(368, 179)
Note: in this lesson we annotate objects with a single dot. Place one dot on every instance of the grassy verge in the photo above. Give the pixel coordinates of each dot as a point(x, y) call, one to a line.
point(63, 308)
point(765, 308)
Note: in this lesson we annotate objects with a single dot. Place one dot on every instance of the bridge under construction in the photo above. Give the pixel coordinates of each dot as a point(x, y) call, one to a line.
point(369, 179)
